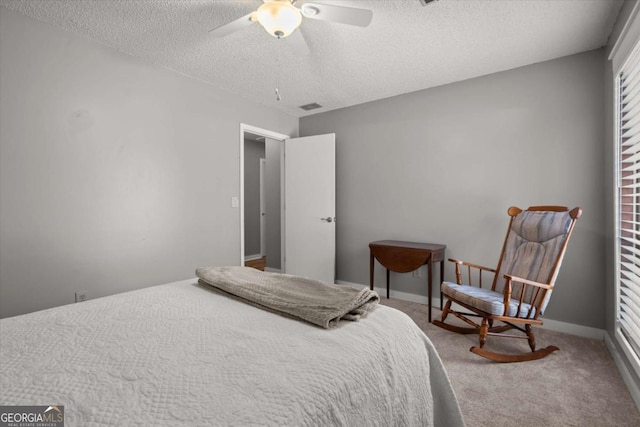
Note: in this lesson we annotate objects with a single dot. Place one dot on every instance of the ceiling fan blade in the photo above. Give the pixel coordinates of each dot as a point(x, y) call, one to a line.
point(232, 26)
point(341, 14)
point(297, 43)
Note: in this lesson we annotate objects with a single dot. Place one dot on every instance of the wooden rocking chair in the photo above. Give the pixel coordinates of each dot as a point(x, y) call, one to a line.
point(522, 284)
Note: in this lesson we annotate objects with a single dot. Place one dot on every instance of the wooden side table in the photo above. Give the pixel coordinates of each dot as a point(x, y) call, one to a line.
point(404, 257)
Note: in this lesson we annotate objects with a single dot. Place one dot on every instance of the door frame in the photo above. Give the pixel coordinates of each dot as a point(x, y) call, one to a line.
point(263, 238)
point(267, 134)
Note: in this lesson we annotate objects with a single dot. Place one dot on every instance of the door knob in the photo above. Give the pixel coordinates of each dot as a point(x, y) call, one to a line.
point(328, 219)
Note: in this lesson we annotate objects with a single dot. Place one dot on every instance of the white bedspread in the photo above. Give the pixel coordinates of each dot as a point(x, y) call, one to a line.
point(182, 355)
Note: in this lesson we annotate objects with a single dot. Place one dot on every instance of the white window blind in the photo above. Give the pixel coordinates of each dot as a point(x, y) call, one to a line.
point(628, 203)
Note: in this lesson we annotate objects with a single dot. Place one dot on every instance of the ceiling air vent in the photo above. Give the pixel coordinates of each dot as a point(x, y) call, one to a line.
point(311, 106)
point(426, 2)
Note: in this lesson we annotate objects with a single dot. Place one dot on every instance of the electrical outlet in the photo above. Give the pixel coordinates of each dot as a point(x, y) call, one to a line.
point(81, 296)
point(416, 273)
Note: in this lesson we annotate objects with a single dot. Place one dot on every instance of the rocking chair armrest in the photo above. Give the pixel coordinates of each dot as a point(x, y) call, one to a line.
point(511, 278)
point(468, 264)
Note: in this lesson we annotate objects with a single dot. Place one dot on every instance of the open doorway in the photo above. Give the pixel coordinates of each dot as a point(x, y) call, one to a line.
point(261, 198)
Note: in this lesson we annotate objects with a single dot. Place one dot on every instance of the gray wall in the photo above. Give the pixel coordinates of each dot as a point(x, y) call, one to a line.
point(443, 165)
point(115, 174)
point(253, 152)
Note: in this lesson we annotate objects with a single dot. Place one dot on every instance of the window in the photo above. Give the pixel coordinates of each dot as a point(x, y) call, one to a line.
point(628, 206)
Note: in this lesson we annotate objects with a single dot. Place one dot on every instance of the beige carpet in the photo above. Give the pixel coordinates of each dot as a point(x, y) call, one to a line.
point(579, 385)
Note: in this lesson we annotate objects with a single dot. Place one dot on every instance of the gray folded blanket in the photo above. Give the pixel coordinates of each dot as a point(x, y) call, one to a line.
point(311, 300)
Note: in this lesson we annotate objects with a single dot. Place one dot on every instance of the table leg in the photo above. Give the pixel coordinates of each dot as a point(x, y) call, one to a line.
point(387, 283)
point(429, 283)
point(370, 269)
point(441, 280)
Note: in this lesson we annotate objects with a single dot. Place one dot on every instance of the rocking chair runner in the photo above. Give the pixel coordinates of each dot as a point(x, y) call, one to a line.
point(523, 281)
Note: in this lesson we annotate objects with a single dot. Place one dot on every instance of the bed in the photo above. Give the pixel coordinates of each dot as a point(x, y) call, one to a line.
point(183, 354)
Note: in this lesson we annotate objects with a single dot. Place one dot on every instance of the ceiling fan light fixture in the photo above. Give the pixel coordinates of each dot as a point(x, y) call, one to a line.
point(279, 17)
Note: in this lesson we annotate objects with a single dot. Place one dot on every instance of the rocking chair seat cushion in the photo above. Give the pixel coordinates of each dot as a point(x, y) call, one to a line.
point(485, 300)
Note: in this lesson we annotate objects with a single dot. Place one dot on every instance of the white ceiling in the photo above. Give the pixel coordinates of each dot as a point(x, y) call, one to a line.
point(407, 47)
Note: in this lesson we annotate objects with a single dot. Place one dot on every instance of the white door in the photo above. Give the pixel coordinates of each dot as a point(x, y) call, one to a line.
point(310, 207)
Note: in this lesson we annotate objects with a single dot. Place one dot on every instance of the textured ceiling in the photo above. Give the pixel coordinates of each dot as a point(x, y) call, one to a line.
point(407, 47)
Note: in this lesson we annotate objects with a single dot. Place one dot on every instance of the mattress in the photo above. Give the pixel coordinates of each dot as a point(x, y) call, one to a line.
point(183, 355)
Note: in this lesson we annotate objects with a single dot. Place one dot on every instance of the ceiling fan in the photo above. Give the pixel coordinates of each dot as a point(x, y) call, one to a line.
point(280, 18)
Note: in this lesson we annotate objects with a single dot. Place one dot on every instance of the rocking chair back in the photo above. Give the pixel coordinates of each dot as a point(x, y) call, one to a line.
point(534, 249)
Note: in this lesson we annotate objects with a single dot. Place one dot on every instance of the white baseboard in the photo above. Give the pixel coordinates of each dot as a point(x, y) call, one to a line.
point(272, 270)
point(573, 329)
point(550, 324)
point(405, 296)
point(624, 371)
point(252, 257)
